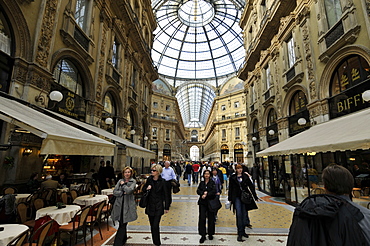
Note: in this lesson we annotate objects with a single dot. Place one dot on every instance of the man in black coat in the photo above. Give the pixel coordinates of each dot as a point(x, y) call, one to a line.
point(331, 219)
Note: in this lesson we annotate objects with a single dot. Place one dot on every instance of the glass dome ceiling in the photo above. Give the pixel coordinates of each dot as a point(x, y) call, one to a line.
point(197, 40)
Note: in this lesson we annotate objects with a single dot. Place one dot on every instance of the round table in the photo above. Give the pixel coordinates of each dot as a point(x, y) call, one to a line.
point(107, 192)
point(61, 216)
point(87, 200)
point(10, 232)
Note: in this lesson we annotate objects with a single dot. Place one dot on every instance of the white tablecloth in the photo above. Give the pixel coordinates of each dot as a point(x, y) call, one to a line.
point(62, 190)
point(11, 231)
point(107, 192)
point(61, 216)
point(87, 200)
point(20, 197)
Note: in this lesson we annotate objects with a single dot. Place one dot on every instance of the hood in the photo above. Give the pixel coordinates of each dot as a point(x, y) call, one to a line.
point(320, 206)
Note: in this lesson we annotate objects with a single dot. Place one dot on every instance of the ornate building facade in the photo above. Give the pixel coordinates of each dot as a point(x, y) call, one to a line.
point(97, 55)
point(307, 63)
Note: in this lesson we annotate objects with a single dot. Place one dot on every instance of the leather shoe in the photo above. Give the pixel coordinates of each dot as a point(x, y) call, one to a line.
point(245, 235)
point(202, 239)
point(240, 239)
point(249, 226)
point(210, 237)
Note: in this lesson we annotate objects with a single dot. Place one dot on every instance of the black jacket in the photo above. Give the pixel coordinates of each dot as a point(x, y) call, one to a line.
point(234, 188)
point(326, 220)
point(211, 191)
point(158, 199)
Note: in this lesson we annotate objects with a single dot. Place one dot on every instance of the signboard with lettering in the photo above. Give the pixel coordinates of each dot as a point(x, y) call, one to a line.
point(72, 105)
point(349, 101)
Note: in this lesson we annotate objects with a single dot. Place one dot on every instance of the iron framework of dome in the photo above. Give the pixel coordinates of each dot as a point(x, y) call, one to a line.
point(197, 40)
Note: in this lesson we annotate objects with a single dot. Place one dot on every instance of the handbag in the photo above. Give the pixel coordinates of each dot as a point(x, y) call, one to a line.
point(214, 204)
point(144, 199)
point(246, 197)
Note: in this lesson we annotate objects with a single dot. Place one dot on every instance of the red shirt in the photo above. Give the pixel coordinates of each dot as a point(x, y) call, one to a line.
point(196, 167)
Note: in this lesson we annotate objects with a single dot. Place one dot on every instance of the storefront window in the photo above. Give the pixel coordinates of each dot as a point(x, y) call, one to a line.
point(109, 112)
point(238, 153)
point(298, 103)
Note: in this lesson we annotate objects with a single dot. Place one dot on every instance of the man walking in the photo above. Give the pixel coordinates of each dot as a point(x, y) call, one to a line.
point(168, 174)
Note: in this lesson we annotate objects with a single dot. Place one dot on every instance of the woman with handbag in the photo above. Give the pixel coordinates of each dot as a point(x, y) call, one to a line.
point(240, 183)
point(158, 202)
point(206, 191)
point(124, 207)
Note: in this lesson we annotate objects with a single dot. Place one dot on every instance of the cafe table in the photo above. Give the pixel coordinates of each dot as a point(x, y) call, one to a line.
point(61, 215)
point(90, 200)
point(107, 191)
point(10, 232)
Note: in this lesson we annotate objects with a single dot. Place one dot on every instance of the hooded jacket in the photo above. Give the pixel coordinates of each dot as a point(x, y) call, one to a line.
point(326, 220)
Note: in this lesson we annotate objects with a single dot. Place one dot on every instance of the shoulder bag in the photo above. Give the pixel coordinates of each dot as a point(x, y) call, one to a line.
point(144, 199)
point(246, 197)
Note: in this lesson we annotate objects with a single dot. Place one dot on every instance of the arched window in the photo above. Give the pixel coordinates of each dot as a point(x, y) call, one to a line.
point(255, 126)
point(109, 105)
point(350, 72)
point(298, 103)
point(5, 35)
point(68, 76)
point(271, 117)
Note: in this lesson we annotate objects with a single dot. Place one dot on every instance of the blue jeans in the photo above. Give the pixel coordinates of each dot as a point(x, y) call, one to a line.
point(189, 178)
point(242, 218)
point(196, 175)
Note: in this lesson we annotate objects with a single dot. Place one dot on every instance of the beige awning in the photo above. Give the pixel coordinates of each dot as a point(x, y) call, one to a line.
point(58, 138)
point(132, 149)
point(350, 132)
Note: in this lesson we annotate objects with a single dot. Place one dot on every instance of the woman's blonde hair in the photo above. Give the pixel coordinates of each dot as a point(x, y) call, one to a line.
point(127, 168)
point(158, 168)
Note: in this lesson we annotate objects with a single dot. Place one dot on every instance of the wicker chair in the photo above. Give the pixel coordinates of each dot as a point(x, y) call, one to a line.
point(9, 190)
point(41, 233)
point(22, 209)
point(78, 223)
point(95, 218)
point(20, 239)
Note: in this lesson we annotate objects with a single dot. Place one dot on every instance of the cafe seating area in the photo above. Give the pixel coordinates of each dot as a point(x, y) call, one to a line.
point(64, 215)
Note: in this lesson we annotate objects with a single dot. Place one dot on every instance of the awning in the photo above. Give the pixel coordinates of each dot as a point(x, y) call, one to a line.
point(132, 149)
point(349, 132)
point(58, 138)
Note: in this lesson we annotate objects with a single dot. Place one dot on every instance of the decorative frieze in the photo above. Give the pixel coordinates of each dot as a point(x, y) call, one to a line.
point(46, 34)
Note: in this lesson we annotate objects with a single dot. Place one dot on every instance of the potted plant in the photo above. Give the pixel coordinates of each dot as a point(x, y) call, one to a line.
point(8, 162)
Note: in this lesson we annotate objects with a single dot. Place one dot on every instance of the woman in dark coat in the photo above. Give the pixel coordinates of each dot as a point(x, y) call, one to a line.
point(124, 208)
point(206, 191)
point(240, 181)
point(158, 203)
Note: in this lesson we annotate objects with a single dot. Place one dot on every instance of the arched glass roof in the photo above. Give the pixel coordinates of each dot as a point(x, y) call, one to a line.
point(197, 40)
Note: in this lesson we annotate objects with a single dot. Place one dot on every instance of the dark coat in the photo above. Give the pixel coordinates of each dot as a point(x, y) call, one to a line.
point(211, 191)
point(326, 220)
point(235, 191)
point(158, 199)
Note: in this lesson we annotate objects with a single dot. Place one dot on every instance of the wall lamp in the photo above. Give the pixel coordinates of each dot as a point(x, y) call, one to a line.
point(27, 151)
point(132, 132)
point(302, 121)
point(366, 95)
point(254, 139)
point(146, 138)
point(271, 132)
point(108, 121)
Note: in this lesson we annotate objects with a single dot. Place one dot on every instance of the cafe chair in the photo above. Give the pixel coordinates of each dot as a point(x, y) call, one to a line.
point(106, 212)
point(74, 194)
point(64, 197)
point(95, 218)
point(368, 205)
point(50, 198)
point(22, 209)
point(38, 238)
point(96, 189)
point(77, 224)
point(20, 240)
point(9, 190)
point(38, 203)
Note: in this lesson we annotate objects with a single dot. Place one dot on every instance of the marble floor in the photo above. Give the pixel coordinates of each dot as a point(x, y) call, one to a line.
point(270, 222)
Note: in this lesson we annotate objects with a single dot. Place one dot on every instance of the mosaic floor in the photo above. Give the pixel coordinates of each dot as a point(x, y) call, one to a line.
point(179, 227)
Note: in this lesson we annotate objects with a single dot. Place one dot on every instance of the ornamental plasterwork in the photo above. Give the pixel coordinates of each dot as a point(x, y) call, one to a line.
point(44, 43)
point(20, 73)
point(367, 3)
point(101, 63)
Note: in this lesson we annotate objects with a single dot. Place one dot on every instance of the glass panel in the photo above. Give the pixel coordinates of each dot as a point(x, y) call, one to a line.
point(333, 11)
point(5, 36)
point(68, 76)
point(80, 13)
point(291, 53)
